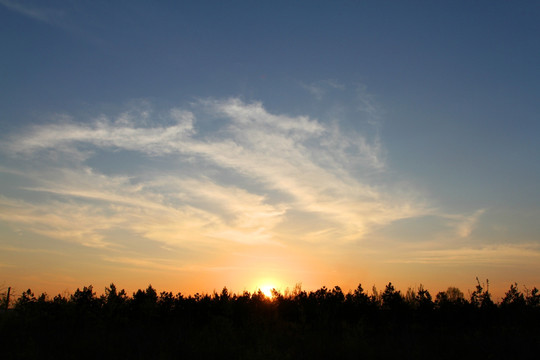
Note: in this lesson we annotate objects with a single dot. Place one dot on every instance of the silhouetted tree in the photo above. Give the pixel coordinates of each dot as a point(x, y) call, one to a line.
point(5, 299)
point(323, 323)
point(26, 298)
point(359, 296)
point(144, 302)
point(481, 297)
point(375, 296)
point(60, 300)
point(513, 298)
point(455, 295)
point(423, 299)
point(533, 299)
point(113, 296)
point(84, 298)
point(166, 301)
point(451, 298)
point(391, 299)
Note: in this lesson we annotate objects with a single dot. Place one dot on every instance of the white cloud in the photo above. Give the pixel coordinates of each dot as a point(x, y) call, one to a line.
point(254, 114)
point(103, 133)
point(280, 165)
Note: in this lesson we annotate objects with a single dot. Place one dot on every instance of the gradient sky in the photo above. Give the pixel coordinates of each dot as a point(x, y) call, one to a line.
point(243, 143)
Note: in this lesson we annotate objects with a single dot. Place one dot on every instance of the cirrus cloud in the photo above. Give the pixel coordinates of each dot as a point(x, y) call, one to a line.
point(219, 170)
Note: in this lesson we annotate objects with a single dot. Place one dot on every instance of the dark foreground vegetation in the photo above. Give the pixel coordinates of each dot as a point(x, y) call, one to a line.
point(323, 324)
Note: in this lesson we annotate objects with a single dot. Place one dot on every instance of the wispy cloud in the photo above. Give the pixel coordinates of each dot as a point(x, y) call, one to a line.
point(60, 220)
point(40, 13)
point(124, 133)
point(161, 264)
point(65, 15)
point(465, 224)
point(233, 172)
point(501, 254)
point(321, 87)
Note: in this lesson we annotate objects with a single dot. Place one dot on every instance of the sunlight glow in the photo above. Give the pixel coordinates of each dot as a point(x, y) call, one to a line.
point(267, 290)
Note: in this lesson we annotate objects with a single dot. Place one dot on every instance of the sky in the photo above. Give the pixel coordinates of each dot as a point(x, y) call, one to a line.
point(247, 144)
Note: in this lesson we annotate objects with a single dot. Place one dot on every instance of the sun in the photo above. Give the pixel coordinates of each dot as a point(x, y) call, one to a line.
point(267, 290)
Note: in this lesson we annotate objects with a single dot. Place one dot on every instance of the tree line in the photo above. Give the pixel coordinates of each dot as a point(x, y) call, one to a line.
point(296, 324)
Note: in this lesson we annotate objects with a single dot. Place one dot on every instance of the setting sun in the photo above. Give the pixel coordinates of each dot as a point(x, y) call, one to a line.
point(267, 290)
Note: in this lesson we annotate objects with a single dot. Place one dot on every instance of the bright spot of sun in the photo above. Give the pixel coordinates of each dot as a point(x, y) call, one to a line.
point(267, 290)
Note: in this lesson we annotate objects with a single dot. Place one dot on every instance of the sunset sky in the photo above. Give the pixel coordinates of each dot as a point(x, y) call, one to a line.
point(246, 144)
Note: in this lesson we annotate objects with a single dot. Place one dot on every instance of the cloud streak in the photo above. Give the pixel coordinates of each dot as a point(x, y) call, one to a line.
point(46, 15)
point(505, 254)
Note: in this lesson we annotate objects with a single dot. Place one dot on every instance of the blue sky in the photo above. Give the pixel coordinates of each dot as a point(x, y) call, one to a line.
point(209, 143)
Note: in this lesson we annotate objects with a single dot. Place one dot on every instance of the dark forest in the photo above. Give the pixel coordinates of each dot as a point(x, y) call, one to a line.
point(322, 324)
